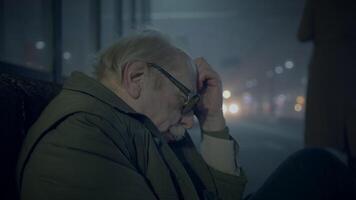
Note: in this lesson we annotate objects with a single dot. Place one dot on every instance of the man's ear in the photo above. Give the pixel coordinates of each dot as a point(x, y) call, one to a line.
point(132, 78)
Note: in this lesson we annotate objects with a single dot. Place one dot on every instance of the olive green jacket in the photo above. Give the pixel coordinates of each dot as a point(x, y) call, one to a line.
point(89, 144)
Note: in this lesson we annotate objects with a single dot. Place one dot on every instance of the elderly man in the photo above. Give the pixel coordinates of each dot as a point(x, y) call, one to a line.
point(123, 135)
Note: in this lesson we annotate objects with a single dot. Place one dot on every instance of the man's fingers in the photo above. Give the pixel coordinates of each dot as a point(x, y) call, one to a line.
point(210, 78)
point(201, 72)
point(206, 73)
point(198, 61)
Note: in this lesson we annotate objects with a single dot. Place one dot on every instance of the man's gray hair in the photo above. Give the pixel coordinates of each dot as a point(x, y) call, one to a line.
point(145, 46)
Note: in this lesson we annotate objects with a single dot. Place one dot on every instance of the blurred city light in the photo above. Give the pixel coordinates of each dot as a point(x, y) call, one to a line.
point(226, 94)
point(67, 55)
point(280, 100)
point(298, 107)
point(251, 83)
point(289, 64)
point(278, 70)
point(247, 98)
point(40, 45)
point(300, 100)
point(234, 108)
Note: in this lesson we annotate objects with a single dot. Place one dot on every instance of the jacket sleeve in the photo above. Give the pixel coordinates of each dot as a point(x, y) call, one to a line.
point(220, 152)
point(78, 161)
point(229, 187)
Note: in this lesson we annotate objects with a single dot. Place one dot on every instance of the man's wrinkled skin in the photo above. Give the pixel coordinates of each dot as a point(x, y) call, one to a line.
point(137, 89)
point(209, 110)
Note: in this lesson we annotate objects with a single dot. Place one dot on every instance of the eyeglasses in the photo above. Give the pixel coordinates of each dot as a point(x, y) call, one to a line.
point(191, 98)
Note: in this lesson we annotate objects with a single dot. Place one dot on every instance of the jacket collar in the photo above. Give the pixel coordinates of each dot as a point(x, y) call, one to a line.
point(82, 83)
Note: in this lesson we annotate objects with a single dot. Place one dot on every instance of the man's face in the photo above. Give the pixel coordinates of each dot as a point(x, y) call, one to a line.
point(164, 105)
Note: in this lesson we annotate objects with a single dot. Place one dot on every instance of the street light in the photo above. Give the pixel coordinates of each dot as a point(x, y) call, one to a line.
point(289, 64)
point(226, 94)
point(298, 107)
point(300, 100)
point(234, 108)
point(278, 69)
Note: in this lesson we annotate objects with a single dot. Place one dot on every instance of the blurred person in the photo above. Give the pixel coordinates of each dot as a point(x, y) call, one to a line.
point(331, 98)
point(123, 136)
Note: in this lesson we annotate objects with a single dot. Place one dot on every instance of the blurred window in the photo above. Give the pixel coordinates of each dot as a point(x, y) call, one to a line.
point(25, 33)
point(56, 37)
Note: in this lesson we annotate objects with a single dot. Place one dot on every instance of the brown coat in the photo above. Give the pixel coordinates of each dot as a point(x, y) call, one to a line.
point(331, 95)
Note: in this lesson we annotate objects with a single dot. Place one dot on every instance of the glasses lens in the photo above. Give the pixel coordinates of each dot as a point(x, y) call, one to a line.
point(190, 104)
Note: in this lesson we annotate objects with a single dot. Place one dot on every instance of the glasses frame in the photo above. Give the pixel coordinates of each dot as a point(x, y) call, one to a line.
point(192, 98)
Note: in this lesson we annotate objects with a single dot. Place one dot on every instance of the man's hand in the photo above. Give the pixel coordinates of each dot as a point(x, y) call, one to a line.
point(209, 109)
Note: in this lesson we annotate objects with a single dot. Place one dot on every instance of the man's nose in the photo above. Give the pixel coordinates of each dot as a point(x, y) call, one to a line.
point(187, 120)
